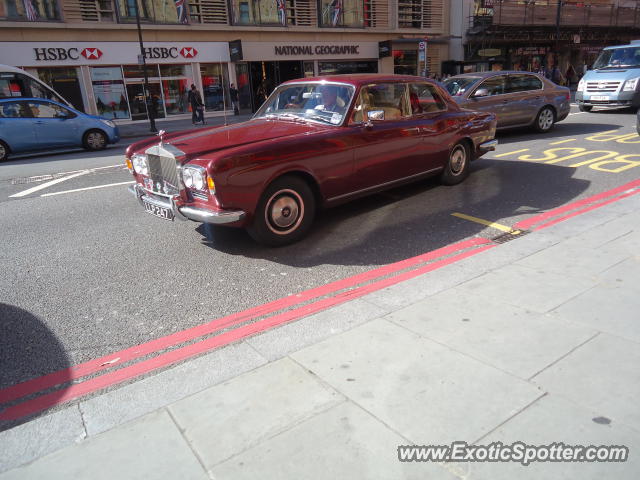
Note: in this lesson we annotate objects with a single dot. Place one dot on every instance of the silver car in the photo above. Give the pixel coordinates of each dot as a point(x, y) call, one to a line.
point(518, 99)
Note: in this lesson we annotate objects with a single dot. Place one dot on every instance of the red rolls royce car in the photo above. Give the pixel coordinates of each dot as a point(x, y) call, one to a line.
point(314, 143)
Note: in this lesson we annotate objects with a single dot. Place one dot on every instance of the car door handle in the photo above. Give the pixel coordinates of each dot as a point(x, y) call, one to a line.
point(39, 122)
point(412, 130)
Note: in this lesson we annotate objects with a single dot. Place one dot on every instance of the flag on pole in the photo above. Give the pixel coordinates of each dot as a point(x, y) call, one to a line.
point(337, 10)
point(30, 11)
point(181, 8)
point(282, 12)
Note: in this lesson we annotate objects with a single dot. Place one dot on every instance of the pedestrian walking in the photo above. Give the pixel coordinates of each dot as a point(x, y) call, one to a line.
point(197, 107)
point(233, 93)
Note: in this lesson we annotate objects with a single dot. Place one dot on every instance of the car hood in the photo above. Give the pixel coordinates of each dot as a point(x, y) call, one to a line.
point(618, 74)
point(196, 143)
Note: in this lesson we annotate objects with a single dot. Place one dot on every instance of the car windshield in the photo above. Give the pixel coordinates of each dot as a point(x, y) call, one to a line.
point(318, 102)
point(457, 86)
point(618, 57)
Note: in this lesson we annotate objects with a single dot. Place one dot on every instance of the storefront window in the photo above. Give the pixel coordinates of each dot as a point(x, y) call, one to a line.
point(157, 11)
point(336, 68)
point(215, 86)
point(258, 12)
point(134, 77)
point(308, 69)
point(29, 10)
point(109, 92)
point(66, 82)
point(405, 62)
point(341, 13)
point(176, 82)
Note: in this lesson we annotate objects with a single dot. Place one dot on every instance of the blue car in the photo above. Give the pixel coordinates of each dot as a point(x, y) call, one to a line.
point(32, 124)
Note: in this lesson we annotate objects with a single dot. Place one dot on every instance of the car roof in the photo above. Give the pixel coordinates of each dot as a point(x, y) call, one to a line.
point(493, 73)
point(30, 99)
point(362, 79)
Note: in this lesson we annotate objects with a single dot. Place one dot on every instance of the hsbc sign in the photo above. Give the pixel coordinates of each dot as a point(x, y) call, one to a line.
point(92, 53)
point(39, 54)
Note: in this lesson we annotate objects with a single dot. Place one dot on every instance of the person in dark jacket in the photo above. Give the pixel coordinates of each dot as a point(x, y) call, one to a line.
point(233, 93)
point(197, 107)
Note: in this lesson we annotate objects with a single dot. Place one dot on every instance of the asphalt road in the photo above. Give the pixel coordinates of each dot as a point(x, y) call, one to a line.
point(87, 272)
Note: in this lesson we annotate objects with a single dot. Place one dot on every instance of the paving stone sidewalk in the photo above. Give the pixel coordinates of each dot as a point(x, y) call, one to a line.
point(536, 340)
point(136, 130)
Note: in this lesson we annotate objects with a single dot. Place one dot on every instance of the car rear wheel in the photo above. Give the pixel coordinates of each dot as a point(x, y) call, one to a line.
point(94, 140)
point(457, 167)
point(585, 108)
point(545, 120)
point(4, 151)
point(285, 212)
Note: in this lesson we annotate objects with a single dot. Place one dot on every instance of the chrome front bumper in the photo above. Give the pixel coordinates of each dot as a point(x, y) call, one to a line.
point(196, 214)
point(488, 146)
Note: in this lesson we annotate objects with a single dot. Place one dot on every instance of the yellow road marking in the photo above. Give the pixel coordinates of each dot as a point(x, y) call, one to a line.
point(497, 226)
point(563, 141)
point(511, 153)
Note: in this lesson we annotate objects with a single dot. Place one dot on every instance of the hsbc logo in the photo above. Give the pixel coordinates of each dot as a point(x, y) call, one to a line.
point(91, 53)
point(188, 52)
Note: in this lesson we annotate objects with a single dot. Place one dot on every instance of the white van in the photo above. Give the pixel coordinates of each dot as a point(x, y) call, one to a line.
point(614, 80)
point(15, 82)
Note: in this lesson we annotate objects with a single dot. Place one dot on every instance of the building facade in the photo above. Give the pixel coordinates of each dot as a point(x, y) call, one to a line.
point(518, 34)
point(88, 50)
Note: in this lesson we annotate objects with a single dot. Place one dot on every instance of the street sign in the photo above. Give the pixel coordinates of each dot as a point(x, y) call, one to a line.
point(422, 46)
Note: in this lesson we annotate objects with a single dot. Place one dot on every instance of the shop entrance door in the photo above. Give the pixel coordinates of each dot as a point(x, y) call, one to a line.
point(135, 93)
point(69, 89)
point(265, 76)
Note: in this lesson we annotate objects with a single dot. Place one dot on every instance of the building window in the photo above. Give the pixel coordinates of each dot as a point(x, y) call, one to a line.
point(109, 92)
point(155, 11)
point(423, 14)
point(215, 86)
point(29, 10)
point(341, 13)
point(343, 67)
point(259, 12)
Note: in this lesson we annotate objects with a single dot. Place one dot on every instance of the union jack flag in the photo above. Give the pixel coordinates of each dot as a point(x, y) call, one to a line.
point(337, 10)
point(282, 12)
point(30, 11)
point(181, 8)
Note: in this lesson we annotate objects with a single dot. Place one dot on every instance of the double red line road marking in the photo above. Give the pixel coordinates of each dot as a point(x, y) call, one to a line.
point(336, 293)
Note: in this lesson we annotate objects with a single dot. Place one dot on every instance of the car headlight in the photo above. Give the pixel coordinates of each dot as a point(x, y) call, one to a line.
point(631, 84)
point(140, 163)
point(581, 85)
point(187, 177)
point(108, 123)
point(195, 178)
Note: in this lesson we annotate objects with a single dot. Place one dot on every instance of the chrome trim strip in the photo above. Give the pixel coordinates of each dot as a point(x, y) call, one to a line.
point(399, 180)
point(488, 146)
point(188, 213)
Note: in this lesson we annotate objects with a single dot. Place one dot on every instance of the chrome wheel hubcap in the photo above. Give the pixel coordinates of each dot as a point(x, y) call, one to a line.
point(95, 140)
point(458, 160)
point(546, 119)
point(284, 212)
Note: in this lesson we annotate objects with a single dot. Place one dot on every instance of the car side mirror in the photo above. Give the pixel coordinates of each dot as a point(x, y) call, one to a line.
point(374, 115)
point(481, 92)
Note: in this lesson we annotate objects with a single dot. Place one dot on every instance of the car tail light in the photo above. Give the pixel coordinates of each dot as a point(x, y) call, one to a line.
point(567, 96)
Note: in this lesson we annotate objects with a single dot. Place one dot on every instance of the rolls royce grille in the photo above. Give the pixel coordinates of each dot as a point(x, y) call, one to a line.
point(164, 172)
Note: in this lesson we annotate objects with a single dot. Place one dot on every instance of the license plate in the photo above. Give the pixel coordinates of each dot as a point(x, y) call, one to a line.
point(599, 97)
point(161, 212)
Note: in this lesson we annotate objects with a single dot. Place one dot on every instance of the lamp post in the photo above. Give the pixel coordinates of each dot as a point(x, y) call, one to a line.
point(147, 91)
point(558, 14)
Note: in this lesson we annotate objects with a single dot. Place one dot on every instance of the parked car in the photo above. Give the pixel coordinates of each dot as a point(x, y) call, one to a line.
point(32, 124)
point(614, 80)
point(518, 99)
point(314, 143)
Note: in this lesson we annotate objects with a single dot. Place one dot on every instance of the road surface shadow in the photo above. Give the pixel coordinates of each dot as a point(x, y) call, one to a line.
point(28, 349)
point(410, 220)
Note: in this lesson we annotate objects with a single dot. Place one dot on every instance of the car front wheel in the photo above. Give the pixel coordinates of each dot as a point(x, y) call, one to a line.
point(545, 120)
point(94, 140)
point(457, 167)
point(285, 212)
